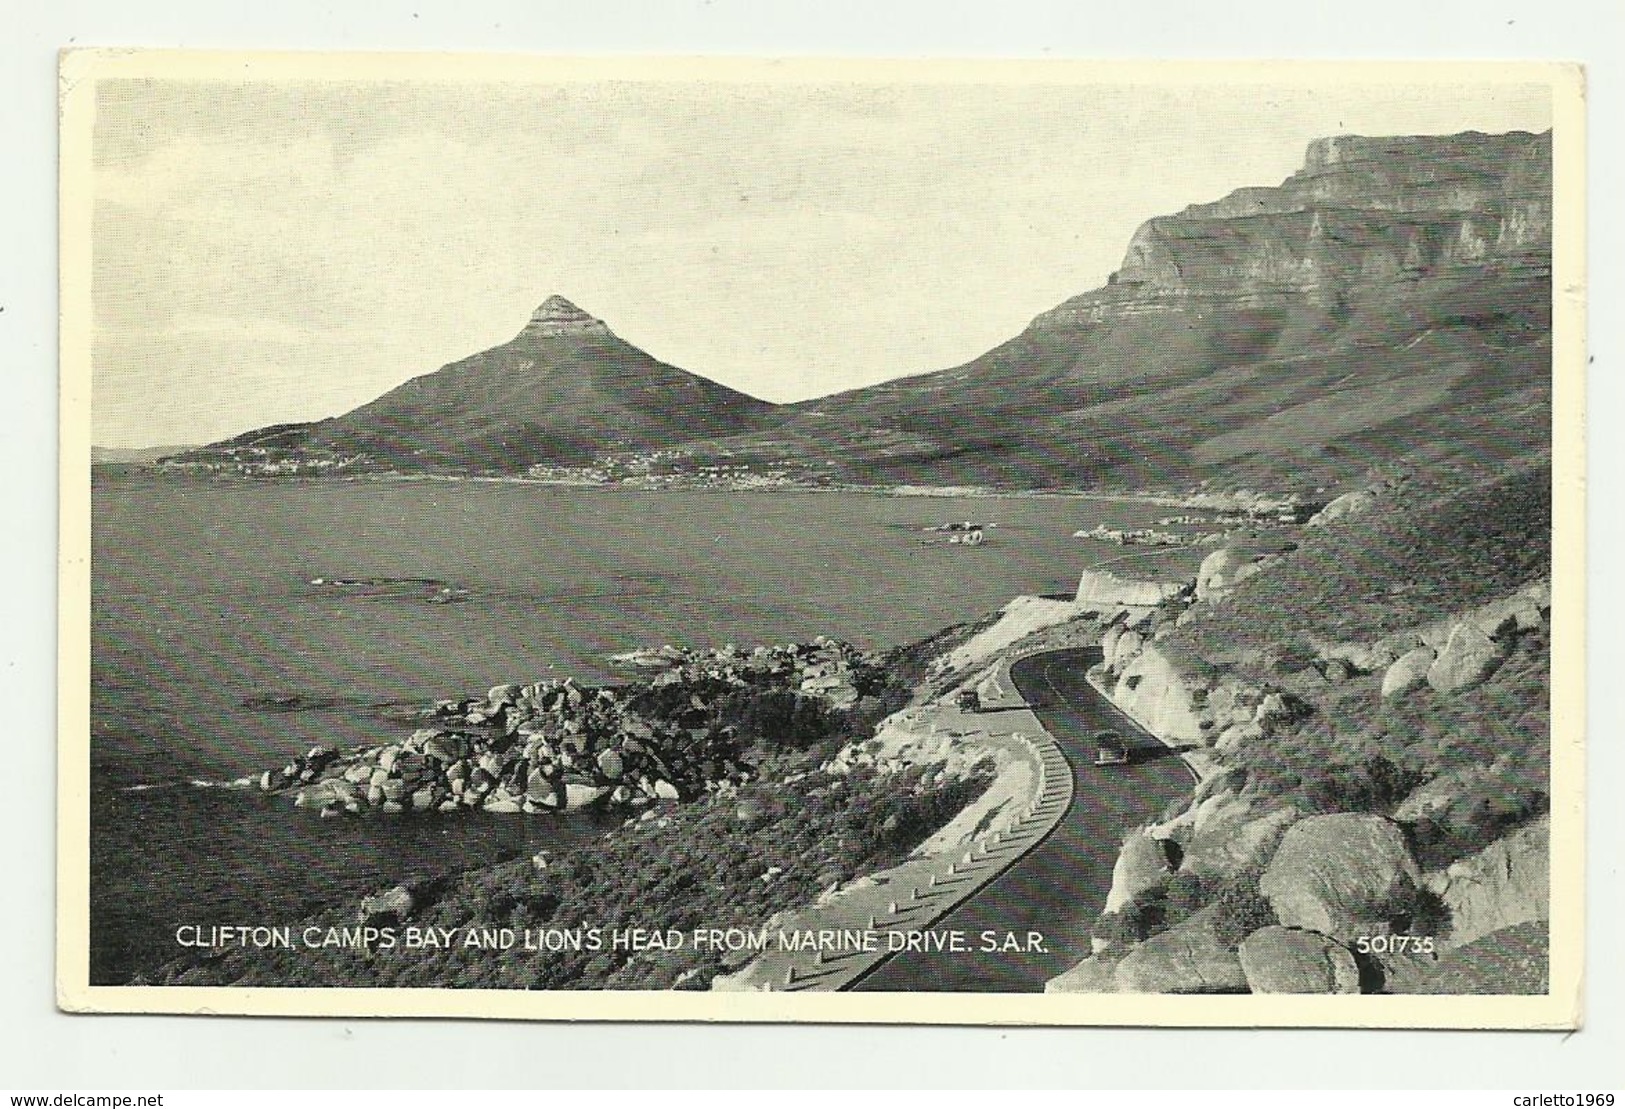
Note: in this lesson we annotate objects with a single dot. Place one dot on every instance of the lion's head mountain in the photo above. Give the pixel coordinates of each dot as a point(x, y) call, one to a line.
point(1391, 299)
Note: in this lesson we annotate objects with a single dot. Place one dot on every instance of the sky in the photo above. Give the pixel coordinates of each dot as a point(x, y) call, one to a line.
point(276, 250)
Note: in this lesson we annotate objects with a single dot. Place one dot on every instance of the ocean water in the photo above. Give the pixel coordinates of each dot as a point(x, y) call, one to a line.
point(214, 656)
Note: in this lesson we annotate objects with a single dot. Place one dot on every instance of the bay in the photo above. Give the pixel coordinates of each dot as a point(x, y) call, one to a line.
point(215, 655)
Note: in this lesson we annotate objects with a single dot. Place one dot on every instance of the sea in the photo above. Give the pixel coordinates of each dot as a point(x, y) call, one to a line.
point(236, 623)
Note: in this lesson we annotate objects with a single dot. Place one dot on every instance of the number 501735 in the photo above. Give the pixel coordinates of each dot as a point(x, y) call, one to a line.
point(1395, 945)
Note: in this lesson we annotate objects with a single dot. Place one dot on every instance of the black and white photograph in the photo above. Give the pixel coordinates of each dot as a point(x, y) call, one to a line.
point(1050, 543)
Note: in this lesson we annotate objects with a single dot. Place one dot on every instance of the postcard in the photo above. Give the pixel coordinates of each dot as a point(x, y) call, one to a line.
point(822, 540)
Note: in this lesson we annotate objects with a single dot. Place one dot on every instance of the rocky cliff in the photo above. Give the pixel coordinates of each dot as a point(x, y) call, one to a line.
point(1390, 299)
point(1363, 213)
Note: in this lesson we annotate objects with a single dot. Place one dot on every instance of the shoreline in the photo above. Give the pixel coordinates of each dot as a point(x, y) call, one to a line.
point(1265, 503)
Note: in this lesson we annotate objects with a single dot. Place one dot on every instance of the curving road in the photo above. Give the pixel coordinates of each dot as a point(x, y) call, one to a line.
point(1058, 887)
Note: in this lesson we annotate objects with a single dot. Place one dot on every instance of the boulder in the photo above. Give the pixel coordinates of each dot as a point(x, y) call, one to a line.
point(1225, 569)
point(1187, 958)
point(447, 748)
point(1275, 708)
point(1156, 694)
point(1469, 656)
point(578, 796)
point(1221, 808)
point(1096, 974)
point(1236, 846)
point(1108, 643)
point(313, 797)
point(1524, 610)
point(395, 902)
point(1407, 671)
point(1349, 504)
point(1507, 883)
point(610, 765)
point(1339, 874)
point(409, 766)
point(1238, 736)
point(1128, 645)
point(1141, 865)
point(1287, 960)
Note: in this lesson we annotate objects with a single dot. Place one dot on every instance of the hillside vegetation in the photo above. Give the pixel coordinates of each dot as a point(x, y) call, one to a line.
point(1370, 707)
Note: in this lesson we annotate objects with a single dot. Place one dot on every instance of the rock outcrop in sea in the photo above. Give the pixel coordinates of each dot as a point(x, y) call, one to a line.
point(556, 746)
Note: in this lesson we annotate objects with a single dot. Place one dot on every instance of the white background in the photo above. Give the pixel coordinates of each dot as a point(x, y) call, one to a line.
point(43, 1050)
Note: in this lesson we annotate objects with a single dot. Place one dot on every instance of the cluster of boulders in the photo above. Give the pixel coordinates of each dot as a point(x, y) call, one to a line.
point(1175, 697)
point(1448, 655)
point(1334, 890)
point(828, 668)
point(1148, 537)
point(556, 745)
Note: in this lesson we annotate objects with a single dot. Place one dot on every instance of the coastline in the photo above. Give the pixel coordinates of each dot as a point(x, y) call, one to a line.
point(1244, 500)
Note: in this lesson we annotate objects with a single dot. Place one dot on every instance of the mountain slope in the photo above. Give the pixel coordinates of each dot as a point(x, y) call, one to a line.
point(564, 389)
point(1392, 297)
point(560, 392)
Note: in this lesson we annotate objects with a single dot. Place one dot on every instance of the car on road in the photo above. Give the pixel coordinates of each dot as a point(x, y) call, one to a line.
point(1110, 749)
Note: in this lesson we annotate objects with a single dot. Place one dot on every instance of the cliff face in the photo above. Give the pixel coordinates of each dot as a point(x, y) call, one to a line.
point(1362, 213)
point(1390, 299)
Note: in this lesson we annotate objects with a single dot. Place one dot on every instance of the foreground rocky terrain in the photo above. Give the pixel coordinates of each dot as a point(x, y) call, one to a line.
point(1367, 710)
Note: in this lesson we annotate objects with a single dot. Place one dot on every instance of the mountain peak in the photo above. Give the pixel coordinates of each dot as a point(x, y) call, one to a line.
point(558, 316)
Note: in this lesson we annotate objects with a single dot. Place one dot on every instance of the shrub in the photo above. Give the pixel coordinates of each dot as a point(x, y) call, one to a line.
point(1116, 929)
point(1240, 909)
point(1184, 893)
point(1416, 911)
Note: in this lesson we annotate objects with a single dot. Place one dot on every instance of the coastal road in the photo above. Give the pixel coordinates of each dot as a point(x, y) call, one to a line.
point(1058, 887)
